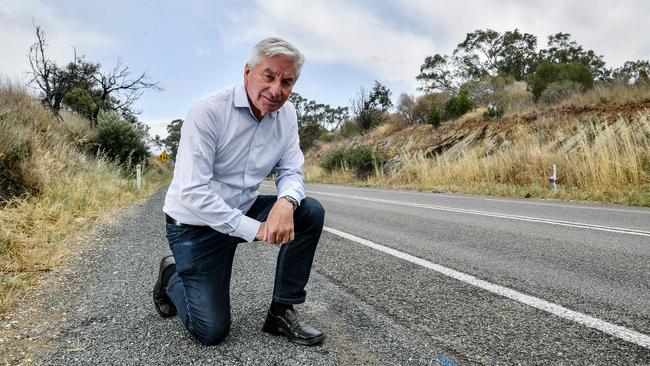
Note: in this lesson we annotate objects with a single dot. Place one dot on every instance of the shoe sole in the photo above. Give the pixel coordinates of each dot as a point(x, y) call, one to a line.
point(303, 342)
point(156, 290)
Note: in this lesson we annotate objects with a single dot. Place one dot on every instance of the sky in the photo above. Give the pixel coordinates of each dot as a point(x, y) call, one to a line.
point(193, 48)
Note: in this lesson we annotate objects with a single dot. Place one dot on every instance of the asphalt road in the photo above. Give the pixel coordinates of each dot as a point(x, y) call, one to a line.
point(400, 278)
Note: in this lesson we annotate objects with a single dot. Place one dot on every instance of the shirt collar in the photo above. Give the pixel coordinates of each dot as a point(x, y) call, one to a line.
point(241, 100)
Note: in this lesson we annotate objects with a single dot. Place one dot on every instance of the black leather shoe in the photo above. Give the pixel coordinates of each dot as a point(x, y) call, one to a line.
point(164, 305)
point(291, 326)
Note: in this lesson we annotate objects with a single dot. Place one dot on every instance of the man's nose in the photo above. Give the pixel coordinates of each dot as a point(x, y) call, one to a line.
point(276, 89)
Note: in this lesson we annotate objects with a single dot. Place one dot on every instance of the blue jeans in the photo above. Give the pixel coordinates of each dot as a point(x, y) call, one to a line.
point(200, 288)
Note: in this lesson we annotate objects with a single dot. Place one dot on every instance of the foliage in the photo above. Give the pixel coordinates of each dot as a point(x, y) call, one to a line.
point(632, 72)
point(363, 160)
point(436, 74)
point(562, 50)
point(314, 119)
point(458, 105)
point(170, 143)
point(365, 115)
point(548, 72)
point(489, 53)
point(118, 140)
point(82, 86)
point(487, 90)
point(493, 111)
point(559, 91)
point(370, 107)
point(81, 101)
point(311, 112)
point(15, 153)
point(406, 108)
point(434, 116)
point(309, 134)
point(380, 97)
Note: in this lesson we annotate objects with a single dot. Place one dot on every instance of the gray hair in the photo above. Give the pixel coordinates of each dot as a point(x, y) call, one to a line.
point(274, 46)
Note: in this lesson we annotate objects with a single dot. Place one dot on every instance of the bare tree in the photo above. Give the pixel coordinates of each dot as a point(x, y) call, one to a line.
point(365, 115)
point(406, 108)
point(117, 91)
point(86, 87)
point(46, 74)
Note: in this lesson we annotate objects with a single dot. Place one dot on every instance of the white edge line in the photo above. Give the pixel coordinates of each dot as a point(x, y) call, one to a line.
point(617, 331)
point(514, 201)
point(495, 214)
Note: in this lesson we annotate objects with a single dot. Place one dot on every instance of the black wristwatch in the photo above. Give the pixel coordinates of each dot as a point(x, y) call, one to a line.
point(291, 200)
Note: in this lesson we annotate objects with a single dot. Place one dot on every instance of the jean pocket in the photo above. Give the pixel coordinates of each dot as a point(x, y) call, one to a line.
point(175, 231)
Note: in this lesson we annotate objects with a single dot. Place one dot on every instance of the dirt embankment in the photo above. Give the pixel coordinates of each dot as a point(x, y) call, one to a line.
point(473, 130)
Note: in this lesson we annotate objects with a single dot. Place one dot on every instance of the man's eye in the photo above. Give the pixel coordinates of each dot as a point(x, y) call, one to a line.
point(286, 82)
point(268, 77)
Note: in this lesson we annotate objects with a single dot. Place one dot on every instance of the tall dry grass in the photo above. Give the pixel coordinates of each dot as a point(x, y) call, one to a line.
point(62, 191)
point(617, 93)
point(596, 161)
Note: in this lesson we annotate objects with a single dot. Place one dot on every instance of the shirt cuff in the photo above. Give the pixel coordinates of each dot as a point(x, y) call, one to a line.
point(247, 228)
point(293, 194)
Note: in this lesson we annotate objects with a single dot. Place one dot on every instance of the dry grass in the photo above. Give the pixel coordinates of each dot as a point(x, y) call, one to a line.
point(611, 94)
point(596, 160)
point(67, 192)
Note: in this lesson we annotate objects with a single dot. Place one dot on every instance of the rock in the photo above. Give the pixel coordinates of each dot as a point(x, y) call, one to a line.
point(393, 165)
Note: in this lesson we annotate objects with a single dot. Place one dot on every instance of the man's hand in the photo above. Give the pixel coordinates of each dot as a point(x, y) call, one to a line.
point(278, 227)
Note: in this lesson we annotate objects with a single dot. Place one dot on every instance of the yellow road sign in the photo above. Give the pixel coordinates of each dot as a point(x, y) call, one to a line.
point(164, 157)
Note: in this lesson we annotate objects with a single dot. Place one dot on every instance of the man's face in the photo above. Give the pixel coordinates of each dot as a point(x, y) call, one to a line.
point(269, 84)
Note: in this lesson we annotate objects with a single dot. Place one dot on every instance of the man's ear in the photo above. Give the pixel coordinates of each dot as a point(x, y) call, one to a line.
point(247, 70)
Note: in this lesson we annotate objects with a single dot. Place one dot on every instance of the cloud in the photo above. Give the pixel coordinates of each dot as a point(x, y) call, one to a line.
point(341, 32)
point(158, 125)
point(62, 33)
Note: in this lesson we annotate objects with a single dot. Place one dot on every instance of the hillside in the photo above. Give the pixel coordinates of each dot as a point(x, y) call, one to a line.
point(53, 189)
point(601, 147)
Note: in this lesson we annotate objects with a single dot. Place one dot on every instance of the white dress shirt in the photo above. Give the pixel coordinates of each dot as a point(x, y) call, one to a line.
point(224, 154)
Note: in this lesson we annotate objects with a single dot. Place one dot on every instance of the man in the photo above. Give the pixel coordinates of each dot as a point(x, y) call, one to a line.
point(230, 141)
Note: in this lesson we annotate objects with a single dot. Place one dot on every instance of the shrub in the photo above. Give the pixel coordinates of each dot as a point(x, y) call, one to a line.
point(362, 160)
point(548, 73)
point(118, 140)
point(327, 137)
point(15, 155)
point(493, 111)
point(80, 101)
point(458, 105)
point(434, 117)
point(559, 91)
point(309, 134)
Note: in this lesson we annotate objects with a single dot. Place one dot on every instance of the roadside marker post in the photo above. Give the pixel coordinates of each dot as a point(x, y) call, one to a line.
point(553, 179)
point(138, 176)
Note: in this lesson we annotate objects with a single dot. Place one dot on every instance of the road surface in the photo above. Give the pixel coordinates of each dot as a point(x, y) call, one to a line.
point(400, 278)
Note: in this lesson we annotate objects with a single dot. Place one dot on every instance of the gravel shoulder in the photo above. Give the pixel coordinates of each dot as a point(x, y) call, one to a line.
point(96, 309)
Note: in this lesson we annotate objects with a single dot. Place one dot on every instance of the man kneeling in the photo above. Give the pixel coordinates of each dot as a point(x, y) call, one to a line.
point(230, 141)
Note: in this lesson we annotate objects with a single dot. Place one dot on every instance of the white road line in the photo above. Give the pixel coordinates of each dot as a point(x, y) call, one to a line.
point(617, 331)
point(611, 229)
point(514, 201)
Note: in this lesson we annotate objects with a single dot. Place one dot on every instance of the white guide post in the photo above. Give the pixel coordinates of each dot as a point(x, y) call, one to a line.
point(138, 176)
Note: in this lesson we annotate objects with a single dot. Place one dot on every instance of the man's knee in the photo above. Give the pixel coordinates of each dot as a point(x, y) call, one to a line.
point(213, 334)
point(313, 209)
